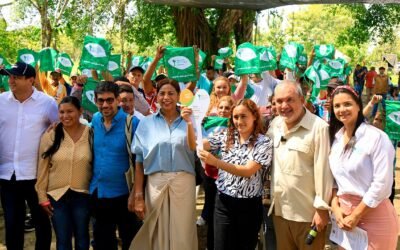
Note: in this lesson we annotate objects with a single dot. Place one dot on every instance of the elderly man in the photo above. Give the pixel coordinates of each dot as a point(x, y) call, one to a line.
point(302, 181)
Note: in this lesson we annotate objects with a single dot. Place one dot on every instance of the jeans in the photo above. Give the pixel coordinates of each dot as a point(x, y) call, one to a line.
point(71, 218)
point(237, 222)
point(210, 191)
point(375, 108)
point(110, 214)
point(359, 87)
point(13, 196)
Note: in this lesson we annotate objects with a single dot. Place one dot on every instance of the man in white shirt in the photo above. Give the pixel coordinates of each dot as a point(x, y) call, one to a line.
point(263, 86)
point(25, 115)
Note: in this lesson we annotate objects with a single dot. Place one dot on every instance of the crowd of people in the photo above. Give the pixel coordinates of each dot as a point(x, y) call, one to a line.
point(278, 160)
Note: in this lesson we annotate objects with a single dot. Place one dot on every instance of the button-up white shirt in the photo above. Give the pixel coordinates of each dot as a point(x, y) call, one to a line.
point(366, 169)
point(263, 90)
point(21, 127)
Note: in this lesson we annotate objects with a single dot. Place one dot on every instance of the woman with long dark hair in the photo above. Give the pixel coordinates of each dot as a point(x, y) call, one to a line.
point(64, 175)
point(245, 155)
point(361, 161)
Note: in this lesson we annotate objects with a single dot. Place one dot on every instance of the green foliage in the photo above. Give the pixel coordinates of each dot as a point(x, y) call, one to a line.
point(151, 25)
point(376, 22)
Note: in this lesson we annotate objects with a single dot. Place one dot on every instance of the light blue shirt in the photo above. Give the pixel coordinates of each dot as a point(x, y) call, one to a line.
point(204, 83)
point(111, 158)
point(162, 148)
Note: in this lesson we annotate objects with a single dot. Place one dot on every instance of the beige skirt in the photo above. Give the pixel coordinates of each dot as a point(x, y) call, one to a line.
point(170, 219)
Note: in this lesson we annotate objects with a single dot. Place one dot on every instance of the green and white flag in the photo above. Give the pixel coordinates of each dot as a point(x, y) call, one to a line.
point(180, 63)
point(335, 67)
point(4, 83)
point(267, 58)
point(87, 72)
point(324, 51)
point(95, 53)
point(137, 61)
point(392, 127)
point(320, 78)
point(88, 102)
point(225, 52)
point(202, 58)
point(214, 124)
point(28, 56)
point(64, 63)
point(47, 59)
point(3, 61)
point(114, 65)
point(303, 60)
point(247, 60)
point(290, 55)
point(219, 62)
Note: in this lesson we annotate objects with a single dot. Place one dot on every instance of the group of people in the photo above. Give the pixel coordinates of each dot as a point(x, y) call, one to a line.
point(131, 167)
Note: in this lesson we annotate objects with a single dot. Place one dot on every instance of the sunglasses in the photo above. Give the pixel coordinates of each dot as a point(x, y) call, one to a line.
point(101, 101)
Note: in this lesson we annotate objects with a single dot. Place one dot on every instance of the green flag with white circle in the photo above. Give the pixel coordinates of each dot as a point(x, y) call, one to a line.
point(95, 53)
point(28, 56)
point(303, 60)
point(137, 61)
point(218, 62)
point(180, 63)
point(290, 55)
point(3, 78)
point(88, 102)
point(114, 65)
point(267, 58)
point(64, 63)
point(225, 52)
point(247, 60)
point(47, 59)
point(324, 51)
point(392, 127)
point(335, 67)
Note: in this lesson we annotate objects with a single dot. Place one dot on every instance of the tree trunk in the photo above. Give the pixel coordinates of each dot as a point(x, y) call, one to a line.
point(192, 28)
point(225, 25)
point(46, 30)
point(244, 27)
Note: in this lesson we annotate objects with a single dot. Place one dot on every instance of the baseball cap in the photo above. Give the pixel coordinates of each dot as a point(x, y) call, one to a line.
point(136, 68)
point(20, 69)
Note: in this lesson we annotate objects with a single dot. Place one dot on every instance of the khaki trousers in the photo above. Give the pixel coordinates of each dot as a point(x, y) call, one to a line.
point(291, 235)
point(170, 222)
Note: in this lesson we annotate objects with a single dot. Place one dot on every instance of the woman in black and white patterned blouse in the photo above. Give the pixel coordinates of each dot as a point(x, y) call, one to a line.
point(246, 153)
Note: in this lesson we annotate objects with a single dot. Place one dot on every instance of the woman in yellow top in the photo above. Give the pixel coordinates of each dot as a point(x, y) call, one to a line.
point(64, 175)
point(55, 87)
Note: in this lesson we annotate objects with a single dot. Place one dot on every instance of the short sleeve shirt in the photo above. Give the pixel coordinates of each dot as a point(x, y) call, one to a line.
point(239, 154)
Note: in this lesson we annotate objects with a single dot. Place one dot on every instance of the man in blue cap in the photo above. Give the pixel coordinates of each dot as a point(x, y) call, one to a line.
point(25, 115)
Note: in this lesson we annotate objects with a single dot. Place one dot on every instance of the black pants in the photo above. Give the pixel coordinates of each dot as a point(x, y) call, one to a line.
point(210, 191)
point(236, 222)
point(110, 214)
point(13, 196)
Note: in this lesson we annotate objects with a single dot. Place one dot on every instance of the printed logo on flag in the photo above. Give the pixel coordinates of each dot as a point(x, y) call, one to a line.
point(95, 50)
point(223, 50)
point(291, 50)
point(245, 54)
point(27, 58)
point(90, 96)
point(395, 117)
point(179, 62)
point(219, 61)
point(136, 61)
point(335, 64)
point(323, 50)
point(1, 61)
point(112, 66)
point(87, 73)
point(264, 56)
point(65, 61)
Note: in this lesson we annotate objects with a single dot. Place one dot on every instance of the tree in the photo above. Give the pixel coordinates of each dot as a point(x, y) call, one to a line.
point(376, 22)
point(209, 29)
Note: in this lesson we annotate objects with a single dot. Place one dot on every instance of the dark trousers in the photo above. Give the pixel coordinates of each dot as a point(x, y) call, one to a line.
point(269, 231)
point(71, 218)
point(236, 222)
point(110, 214)
point(13, 196)
point(210, 191)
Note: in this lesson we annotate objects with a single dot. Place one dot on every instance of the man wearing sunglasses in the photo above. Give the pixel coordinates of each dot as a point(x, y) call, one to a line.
point(25, 115)
point(108, 186)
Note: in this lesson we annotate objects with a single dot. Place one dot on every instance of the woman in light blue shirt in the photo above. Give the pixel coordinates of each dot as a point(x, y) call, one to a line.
point(164, 191)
